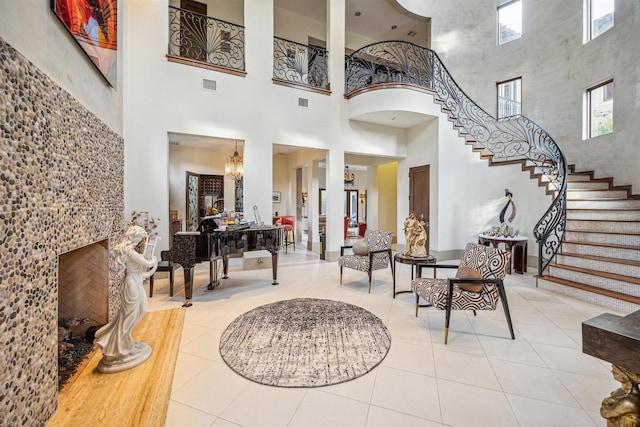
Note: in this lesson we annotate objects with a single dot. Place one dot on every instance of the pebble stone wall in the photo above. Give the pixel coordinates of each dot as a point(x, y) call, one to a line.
point(61, 188)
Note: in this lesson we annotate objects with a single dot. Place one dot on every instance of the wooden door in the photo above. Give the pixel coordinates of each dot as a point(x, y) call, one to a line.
point(419, 194)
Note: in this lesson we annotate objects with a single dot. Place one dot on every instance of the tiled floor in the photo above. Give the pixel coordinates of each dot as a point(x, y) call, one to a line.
point(481, 378)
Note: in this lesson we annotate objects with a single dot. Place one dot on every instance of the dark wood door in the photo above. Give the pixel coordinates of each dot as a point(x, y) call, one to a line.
point(193, 30)
point(419, 194)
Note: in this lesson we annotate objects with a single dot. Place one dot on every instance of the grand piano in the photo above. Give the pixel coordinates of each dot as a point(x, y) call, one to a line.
point(212, 243)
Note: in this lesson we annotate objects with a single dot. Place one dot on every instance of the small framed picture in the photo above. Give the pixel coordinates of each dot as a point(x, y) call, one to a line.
point(276, 197)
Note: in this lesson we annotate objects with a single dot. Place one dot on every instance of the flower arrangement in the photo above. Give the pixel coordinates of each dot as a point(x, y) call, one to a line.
point(149, 223)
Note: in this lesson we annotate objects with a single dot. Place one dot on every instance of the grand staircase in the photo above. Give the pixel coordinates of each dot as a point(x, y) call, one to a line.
point(599, 260)
point(588, 240)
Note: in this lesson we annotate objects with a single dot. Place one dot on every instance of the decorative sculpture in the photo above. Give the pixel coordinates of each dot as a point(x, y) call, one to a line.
point(505, 229)
point(416, 235)
point(120, 351)
point(622, 408)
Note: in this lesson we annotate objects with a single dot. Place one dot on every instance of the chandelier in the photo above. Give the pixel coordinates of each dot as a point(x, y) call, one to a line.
point(349, 177)
point(234, 168)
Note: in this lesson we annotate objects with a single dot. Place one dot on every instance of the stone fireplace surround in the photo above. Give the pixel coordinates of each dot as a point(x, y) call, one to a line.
point(61, 188)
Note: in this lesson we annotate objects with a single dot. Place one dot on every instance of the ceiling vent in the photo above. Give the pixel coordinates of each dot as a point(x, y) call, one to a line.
point(208, 84)
point(411, 33)
point(303, 102)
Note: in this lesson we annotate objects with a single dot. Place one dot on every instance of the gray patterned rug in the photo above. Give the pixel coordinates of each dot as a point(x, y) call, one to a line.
point(304, 342)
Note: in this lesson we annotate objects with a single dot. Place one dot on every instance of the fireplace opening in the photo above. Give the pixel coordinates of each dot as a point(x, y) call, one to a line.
point(82, 304)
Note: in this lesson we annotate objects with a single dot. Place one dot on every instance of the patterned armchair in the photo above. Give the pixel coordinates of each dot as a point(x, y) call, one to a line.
point(478, 284)
point(373, 253)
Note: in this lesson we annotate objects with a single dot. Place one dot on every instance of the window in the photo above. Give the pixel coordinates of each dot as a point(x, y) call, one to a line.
point(599, 16)
point(509, 98)
point(600, 109)
point(510, 21)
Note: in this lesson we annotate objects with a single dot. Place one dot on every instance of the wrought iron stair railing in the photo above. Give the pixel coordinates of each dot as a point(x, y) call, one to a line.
point(200, 38)
point(511, 139)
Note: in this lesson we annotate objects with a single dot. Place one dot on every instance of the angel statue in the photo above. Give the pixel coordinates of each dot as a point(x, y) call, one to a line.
point(416, 236)
point(120, 351)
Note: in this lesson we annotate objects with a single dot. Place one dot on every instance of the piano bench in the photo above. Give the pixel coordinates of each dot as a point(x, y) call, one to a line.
point(164, 266)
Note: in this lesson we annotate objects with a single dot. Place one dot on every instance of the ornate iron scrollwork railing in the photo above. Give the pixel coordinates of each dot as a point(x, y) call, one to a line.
point(301, 64)
point(205, 39)
point(512, 138)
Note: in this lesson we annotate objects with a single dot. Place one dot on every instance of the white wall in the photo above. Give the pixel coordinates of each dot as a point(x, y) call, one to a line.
point(32, 28)
point(556, 68)
point(233, 111)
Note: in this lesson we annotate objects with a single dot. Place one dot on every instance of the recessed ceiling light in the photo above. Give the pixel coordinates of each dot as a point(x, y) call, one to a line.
point(393, 27)
point(358, 14)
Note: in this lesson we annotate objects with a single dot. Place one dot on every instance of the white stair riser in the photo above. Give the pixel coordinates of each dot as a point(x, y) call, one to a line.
point(604, 204)
point(595, 194)
point(604, 226)
point(597, 265)
point(587, 185)
point(621, 215)
point(596, 281)
point(604, 238)
point(603, 251)
point(596, 299)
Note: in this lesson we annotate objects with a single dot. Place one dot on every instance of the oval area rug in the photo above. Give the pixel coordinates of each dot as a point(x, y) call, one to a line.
point(304, 342)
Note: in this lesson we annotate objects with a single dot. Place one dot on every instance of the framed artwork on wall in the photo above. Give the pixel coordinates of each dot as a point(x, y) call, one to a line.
point(93, 24)
point(276, 197)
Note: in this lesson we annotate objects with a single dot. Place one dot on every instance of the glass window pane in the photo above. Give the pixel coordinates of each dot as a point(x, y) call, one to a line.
point(601, 13)
point(601, 110)
point(509, 98)
point(509, 22)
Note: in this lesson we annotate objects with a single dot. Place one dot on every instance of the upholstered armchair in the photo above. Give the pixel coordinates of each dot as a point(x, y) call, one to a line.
point(373, 253)
point(478, 284)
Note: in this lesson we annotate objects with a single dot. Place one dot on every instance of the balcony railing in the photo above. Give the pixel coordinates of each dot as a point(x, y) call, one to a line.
point(200, 38)
point(300, 64)
point(512, 138)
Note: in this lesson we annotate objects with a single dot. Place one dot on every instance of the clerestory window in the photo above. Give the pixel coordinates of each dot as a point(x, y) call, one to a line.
point(509, 21)
point(599, 14)
point(600, 109)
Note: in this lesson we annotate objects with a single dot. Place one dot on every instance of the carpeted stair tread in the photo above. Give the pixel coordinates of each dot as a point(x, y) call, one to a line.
point(607, 245)
point(603, 274)
point(601, 258)
point(593, 289)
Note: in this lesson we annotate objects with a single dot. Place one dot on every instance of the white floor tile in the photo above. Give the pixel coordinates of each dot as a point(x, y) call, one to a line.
point(408, 393)
point(180, 415)
point(465, 368)
point(259, 405)
point(535, 413)
point(470, 406)
point(324, 409)
point(381, 417)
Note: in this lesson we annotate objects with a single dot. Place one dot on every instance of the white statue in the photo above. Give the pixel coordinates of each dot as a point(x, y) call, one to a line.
point(119, 350)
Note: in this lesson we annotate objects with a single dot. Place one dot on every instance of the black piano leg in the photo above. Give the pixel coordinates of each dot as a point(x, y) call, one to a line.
point(213, 274)
point(225, 267)
point(274, 267)
point(188, 286)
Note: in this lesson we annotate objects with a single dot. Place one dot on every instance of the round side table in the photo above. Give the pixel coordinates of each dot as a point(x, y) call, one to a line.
point(413, 262)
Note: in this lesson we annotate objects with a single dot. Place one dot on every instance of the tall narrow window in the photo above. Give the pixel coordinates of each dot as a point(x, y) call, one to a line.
point(600, 16)
point(600, 109)
point(509, 21)
point(510, 98)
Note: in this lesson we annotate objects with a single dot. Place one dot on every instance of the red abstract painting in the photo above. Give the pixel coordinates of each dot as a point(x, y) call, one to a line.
point(93, 23)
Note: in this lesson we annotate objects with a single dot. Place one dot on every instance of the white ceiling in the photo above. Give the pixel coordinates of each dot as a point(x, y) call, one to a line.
point(377, 17)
